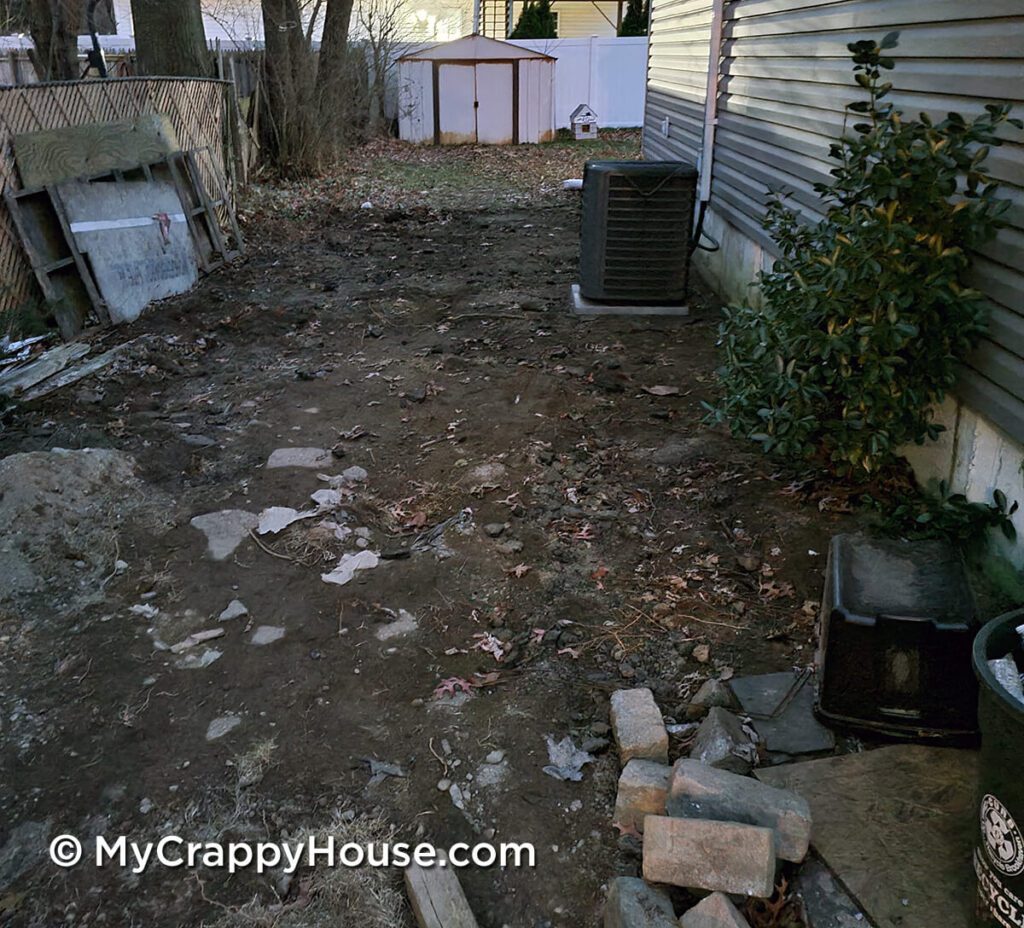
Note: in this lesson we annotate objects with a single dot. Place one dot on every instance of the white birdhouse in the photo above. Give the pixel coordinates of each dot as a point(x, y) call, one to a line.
point(583, 122)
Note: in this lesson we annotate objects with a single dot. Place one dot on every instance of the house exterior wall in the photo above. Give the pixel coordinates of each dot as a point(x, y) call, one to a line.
point(785, 79)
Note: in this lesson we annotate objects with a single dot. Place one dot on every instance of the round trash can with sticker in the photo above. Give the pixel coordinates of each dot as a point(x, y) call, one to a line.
point(999, 846)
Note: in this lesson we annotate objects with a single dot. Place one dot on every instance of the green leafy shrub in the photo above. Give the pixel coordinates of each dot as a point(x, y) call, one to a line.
point(950, 516)
point(866, 313)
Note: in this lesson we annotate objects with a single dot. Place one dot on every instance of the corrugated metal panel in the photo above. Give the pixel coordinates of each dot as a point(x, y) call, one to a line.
point(785, 81)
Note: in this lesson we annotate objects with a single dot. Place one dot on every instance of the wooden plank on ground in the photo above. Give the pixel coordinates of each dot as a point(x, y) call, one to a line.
point(55, 155)
point(437, 898)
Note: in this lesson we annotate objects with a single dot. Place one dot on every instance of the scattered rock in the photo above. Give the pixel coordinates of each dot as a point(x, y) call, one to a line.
point(494, 529)
point(235, 609)
point(404, 624)
point(722, 742)
point(266, 634)
point(638, 726)
point(702, 653)
point(225, 530)
point(512, 546)
point(495, 757)
point(699, 791)
point(355, 474)
point(596, 745)
point(643, 790)
point(632, 903)
point(444, 785)
point(221, 725)
point(198, 661)
point(196, 638)
point(714, 692)
point(299, 457)
point(749, 563)
point(146, 806)
point(716, 911)
point(722, 856)
point(679, 452)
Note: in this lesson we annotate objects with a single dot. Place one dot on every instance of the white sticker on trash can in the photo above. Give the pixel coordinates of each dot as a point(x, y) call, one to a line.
point(1003, 840)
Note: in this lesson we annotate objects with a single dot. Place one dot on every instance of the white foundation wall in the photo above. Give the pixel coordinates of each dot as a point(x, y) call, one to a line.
point(972, 455)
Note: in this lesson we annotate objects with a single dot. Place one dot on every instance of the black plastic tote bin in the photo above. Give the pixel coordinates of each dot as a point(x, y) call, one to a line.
point(999, 851)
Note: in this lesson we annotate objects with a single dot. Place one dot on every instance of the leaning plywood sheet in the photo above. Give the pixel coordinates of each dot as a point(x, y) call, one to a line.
point(55, 155)
point(897, 827)
point(135, 236)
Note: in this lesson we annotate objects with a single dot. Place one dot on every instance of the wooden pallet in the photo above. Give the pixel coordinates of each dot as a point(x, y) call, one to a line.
point(61, 269)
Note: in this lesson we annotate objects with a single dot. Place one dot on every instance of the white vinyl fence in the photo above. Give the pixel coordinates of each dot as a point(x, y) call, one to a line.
point(608, 74)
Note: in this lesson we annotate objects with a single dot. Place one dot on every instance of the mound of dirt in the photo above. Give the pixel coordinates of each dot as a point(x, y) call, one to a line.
point(62, 512)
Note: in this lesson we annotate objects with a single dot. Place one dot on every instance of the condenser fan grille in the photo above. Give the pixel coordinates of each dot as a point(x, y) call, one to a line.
point(636, 230)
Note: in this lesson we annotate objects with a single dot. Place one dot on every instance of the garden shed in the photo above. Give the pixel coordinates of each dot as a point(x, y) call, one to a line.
point(476, 90)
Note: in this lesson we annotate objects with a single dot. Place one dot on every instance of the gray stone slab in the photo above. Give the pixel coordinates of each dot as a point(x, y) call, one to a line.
point(584, 307)
point(781, 706)
point(897, 826)
point(136, 257)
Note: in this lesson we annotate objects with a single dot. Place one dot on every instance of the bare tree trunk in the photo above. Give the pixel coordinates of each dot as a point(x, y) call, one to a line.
point(170, 39)
point(333, 91)
point(291, 138)
point(54, 27)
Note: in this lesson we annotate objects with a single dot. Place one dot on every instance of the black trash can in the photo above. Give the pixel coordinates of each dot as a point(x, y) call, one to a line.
point(999, 850)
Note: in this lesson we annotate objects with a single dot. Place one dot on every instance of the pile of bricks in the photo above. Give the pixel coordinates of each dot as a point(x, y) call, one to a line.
point(703, 828)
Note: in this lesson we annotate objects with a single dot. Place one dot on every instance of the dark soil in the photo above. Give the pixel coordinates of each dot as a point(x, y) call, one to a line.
point(445, 334)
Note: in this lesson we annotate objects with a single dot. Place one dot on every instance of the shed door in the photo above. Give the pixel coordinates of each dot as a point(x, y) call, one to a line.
point(456, 93)
point(494, 104)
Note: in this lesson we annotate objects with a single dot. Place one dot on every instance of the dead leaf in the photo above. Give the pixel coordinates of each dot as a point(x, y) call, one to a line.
point(451, 685)
point(661, 390)
point(702, 653)
point(520, 570)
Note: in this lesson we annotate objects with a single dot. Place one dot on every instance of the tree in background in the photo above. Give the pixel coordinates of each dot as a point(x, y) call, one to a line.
point(636, 18)
point(291, 140)
point(385, 25)
point(333, 73)
point(169, 38)
point(536, 21)
point(54, 26)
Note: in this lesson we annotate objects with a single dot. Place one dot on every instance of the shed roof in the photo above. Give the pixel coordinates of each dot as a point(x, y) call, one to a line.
point(473, 48)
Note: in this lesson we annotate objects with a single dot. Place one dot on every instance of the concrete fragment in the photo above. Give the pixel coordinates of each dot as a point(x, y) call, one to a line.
point(702, 792)
point(224, 530)
point(722, 856)
point(716, 911)
point(266, 634)
point(198, 661)
point(299, 457)
point(196, 638)
point(235, 609)
point(722, 742)
point(221, 725)
point(638, 726)
point(643, 790)
point(632, 903)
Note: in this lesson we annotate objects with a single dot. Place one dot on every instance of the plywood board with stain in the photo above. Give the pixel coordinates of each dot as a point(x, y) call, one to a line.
point(54, 155)
point(136, 239)
point(897, 826)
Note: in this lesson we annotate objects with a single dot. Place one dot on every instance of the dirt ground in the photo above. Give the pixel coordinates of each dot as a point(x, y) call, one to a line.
point(410, 316)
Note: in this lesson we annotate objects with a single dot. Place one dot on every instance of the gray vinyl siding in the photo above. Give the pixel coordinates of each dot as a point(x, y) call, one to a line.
point(785, 78)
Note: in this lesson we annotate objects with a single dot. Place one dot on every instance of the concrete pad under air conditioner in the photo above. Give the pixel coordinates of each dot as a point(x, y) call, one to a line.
point(584, 307)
